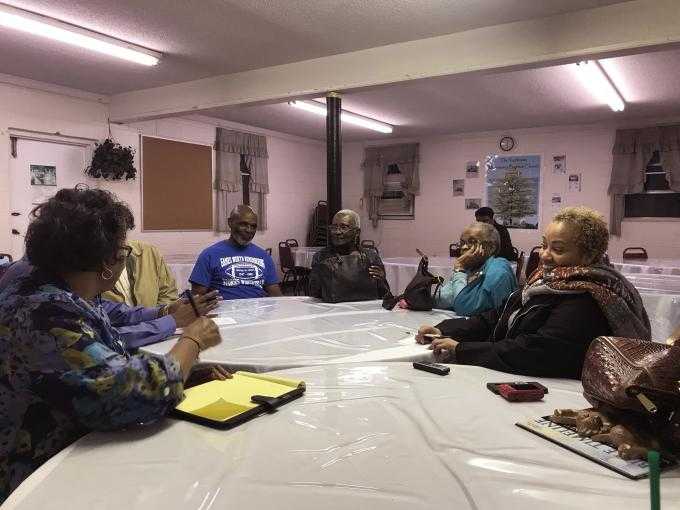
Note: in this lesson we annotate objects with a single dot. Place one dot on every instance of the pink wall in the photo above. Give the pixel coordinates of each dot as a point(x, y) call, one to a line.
point(440, 217)
point(296, 183)
point(296, 165)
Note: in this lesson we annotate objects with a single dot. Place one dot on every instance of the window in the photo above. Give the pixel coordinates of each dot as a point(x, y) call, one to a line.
point(391, 181)
point(394, 203)
point(658, 200)
point(245, 180)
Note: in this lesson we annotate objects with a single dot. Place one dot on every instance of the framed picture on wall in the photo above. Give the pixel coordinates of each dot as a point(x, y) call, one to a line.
point(512, 189)
point(473, 203)
point(458, 187)
point(43, 175)
point(472, 169)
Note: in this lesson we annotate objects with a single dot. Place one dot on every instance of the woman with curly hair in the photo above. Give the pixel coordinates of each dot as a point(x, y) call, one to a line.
point(545, 328)
point(64, 370)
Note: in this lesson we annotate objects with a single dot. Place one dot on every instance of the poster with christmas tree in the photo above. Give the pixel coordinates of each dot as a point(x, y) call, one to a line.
point(512, 189)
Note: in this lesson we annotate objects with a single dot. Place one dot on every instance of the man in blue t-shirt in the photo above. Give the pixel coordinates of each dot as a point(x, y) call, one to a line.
point(236, 267)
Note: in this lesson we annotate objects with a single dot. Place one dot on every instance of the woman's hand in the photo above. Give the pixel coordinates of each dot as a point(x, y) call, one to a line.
point(444, 349)
point(207, 373)
point(427, 330)
point(376, 272)
point(204, 332)
point(183, 313)
point(470, 259)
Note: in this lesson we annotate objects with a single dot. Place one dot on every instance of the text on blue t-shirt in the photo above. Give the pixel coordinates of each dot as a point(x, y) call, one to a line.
point(237, 272)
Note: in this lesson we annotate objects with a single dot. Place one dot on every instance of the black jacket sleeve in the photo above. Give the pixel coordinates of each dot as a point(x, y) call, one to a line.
point(556, 349)
point(477, 327)
point(314, 283)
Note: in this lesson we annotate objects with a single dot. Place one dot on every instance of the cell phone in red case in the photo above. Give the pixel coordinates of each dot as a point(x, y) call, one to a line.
point(519, 391)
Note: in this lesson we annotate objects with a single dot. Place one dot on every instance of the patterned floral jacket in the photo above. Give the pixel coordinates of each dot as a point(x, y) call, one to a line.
point(64, 371)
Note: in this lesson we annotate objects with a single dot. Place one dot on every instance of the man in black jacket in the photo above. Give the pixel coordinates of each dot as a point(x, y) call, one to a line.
point(485, 215)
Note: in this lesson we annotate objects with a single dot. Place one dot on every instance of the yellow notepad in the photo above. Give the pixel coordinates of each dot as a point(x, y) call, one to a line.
point(230, 400)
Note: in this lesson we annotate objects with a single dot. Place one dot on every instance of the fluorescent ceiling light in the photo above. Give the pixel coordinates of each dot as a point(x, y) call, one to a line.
point(345, 116)
point(49, 28)
point(596, 80)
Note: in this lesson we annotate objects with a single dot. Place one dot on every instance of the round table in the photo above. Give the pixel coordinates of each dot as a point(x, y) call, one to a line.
point(304, 254)
point(666, 266)
point(364, 436)
point(275, 333)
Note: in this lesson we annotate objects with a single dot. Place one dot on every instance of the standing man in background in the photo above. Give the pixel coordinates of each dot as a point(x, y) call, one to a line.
point(485, 215)
point(236, 267)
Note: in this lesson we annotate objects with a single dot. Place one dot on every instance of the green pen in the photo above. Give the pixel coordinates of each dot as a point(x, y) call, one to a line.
point(653, 459)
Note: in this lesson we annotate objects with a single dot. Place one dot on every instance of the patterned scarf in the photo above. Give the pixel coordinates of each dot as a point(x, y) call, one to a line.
point(618, 299)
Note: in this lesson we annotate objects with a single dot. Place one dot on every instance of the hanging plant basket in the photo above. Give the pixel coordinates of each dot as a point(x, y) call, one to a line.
point(112, 161)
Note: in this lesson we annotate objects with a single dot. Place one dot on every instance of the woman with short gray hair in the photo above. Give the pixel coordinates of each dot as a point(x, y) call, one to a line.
point(481, 281)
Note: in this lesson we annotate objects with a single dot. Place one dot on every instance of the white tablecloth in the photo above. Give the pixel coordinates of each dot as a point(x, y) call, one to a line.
point(664, 313)
point(304, 255)
point(645, 282)
point(181, 271)
point(666, 266)
point(364, 436)
point(274, 333)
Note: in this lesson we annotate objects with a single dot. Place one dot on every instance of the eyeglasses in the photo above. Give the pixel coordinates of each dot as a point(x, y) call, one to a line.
point(127, 249)
point(340, 228)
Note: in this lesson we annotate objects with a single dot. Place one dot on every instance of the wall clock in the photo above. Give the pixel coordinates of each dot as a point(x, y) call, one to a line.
point(507, 143)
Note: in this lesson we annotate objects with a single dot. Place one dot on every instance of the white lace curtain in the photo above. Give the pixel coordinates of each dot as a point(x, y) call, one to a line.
point(230, 146)
point(633, 148)
point(376, 162)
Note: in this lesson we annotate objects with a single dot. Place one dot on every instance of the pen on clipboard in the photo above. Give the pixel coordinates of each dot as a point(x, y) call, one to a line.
point(187, 293)
point(433, 336)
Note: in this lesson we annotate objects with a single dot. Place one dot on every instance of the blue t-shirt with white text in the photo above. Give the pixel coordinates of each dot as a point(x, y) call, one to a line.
point(237, 272)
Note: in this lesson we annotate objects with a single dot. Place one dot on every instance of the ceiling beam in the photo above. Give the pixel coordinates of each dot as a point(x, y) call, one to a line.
point(616, 29)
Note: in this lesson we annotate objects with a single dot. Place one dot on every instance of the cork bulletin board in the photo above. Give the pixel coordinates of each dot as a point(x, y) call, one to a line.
point(176, 185)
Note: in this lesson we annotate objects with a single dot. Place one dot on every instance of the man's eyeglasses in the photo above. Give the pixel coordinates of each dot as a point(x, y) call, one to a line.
point(341, 228)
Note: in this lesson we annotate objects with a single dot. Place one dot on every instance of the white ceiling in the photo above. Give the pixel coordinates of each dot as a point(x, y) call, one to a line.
point(202, 38)
point(468, 103)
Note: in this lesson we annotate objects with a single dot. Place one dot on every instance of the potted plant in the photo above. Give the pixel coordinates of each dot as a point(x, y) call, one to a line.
point(112, 161)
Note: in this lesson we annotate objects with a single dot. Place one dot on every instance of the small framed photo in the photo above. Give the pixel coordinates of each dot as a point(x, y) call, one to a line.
point(472, 169)
point(458, 187)
point(473, 203)
point(42, 175)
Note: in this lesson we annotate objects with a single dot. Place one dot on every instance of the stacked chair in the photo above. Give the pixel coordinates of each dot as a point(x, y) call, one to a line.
point(294, 276)
point(318, 232)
